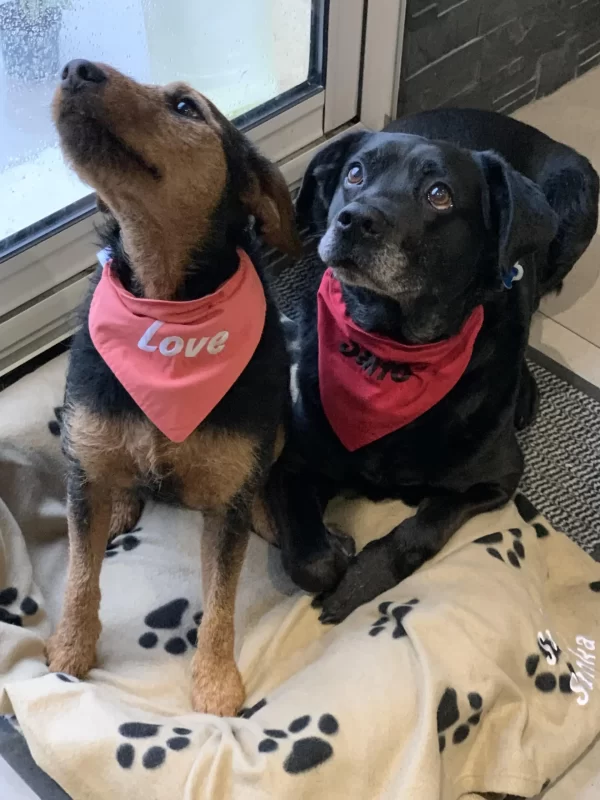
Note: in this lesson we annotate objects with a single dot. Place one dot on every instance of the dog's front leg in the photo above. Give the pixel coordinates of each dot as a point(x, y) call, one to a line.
point(126, 510)
point(217, 686)
point(385, 562)
point(314, 557)
point(72, 648)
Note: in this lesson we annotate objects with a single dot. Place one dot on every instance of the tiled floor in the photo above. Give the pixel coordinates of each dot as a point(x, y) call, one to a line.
point(582, 782)
point(568, 329)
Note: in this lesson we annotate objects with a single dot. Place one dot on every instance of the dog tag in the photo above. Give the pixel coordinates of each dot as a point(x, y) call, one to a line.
point(515, 274)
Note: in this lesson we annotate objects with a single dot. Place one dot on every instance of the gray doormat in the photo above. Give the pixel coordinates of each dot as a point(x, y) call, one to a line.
point(562, 448)
point(562, 459)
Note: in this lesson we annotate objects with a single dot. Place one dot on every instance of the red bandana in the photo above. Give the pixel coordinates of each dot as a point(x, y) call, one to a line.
point(371, 385)
point(178, 359)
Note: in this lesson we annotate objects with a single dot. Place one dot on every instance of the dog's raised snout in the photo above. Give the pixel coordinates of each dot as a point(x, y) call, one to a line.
point(362, 220)
point(80, 73)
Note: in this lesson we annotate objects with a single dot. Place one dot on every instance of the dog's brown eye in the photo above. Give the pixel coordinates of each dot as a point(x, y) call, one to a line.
point(440, 197)
point(186, 107)
point(355, 175)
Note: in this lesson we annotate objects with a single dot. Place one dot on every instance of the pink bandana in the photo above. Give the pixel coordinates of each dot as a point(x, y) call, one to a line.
point(177, 359)
point(371, 385)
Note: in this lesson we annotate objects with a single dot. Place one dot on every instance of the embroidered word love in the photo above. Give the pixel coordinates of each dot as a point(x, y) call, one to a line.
point(173, 345)
point(370, 363)
point(178, 359)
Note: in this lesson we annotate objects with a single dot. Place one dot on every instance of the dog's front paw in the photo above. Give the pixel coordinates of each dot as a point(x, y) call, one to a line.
point(367, 576)
point(323, 570)
point(217, 686)
point(68, 655)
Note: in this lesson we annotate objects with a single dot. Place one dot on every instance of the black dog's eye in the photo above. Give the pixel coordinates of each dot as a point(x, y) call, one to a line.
point(187, 107)
point(355, 175)
point(440, 197)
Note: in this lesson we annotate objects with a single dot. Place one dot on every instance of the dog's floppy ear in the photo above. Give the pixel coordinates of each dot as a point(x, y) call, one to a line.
point(268, 199)
point(517, 211)
point(101, 205)
point(260, 187)
point(321, 180)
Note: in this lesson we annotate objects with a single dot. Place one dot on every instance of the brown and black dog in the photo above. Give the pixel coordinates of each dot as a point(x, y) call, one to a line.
point(180, 183)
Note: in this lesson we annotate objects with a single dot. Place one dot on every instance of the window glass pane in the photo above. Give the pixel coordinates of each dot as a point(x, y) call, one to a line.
point(240, 53)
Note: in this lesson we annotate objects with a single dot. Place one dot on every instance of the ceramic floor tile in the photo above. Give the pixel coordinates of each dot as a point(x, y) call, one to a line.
point(577, 307)
point(582, 782)
point(566, 348)
point(572, 115)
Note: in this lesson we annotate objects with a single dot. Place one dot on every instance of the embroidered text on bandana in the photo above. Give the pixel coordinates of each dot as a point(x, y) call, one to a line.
point(177, 359)
point(371, 385)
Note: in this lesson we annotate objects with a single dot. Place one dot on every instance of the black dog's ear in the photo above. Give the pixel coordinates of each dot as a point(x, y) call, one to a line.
point(321, 180)
point(517, 211)
point(268, 199)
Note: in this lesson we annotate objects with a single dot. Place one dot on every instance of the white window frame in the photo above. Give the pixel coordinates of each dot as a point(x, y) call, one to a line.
point(42, 286)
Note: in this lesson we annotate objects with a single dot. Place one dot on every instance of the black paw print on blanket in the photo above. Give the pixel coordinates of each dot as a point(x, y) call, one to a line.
point(54, 426)
point(247, 713)
point(536, 666)
point(508, 547)
point(307, 752)
point(170, 618)
point(448, 715)
point(123, 543)
point(178, 739)
point(525, 508)
point(9, 611)
point(390, 612)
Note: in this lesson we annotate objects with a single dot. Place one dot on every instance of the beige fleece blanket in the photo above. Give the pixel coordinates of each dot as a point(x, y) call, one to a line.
point(476, 675)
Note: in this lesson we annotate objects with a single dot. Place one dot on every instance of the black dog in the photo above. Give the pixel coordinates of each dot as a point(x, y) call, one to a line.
point(423, 238)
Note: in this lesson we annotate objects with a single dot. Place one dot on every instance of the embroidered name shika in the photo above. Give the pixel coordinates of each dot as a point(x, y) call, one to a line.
point(371, 385)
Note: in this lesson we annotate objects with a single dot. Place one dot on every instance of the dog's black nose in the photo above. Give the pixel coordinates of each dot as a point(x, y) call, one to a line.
point(80, 73)
point(361, 219)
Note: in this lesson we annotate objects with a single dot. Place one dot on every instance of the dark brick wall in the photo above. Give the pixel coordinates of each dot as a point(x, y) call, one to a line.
point(497, 54)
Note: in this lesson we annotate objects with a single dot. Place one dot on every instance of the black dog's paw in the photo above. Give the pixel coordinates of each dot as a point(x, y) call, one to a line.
point(341, 542)
point(307, 752)
point(448, 715)
point(170, 617)
point(323, 570)
point(379, 567)
point(368, 575)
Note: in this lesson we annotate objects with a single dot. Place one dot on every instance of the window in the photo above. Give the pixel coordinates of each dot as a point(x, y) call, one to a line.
point(287, 71)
